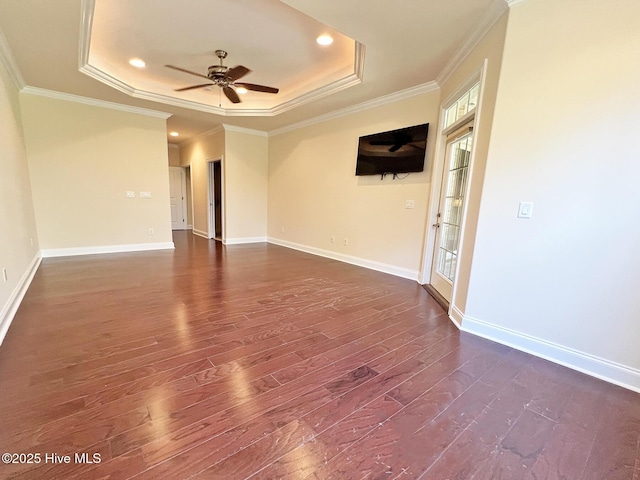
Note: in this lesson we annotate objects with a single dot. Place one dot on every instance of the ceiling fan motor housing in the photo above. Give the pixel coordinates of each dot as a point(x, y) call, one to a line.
point(217, 71)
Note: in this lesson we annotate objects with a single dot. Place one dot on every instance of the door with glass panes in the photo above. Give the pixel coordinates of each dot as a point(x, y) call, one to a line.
point(450, 213)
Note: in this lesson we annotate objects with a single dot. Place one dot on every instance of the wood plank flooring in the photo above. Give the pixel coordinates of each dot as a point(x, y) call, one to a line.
point(255, 361)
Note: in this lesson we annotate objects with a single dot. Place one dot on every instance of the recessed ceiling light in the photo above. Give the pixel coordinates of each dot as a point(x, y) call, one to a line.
point(324, 40)
point(137, 62)
point(174, 134)
point(241, 90)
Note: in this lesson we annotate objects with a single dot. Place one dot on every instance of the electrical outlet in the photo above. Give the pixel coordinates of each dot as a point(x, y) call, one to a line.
point(145, 194)
point(346, 242)
point(333, 239)
point(130, 194)
point(151, 231)
point(409, 204)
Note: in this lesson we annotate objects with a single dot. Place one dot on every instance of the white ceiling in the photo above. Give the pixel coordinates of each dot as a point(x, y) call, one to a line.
point(400, 44)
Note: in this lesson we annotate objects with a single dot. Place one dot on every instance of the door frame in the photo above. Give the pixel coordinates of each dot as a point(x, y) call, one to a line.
point(440, 154)
point(211, 210)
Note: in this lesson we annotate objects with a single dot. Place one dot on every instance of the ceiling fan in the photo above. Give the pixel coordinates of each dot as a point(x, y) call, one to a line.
point(225, 78)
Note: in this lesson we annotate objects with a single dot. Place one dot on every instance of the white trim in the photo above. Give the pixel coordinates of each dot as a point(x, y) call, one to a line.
point(9, 309)
point(134, 247)
point(8, 61)
point(511, 3)
point(200, 233)
point(456, 315)
point(601, 368)
point(360, 262)
point(493, 14)
point(86, 24)
point(376, 102)
point(243, 240)
point(94, 103)
point(250, 131)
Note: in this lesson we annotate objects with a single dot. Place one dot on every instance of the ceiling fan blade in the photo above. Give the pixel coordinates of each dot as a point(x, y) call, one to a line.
point(193, 87)
point(231, 94)
point(257, 88)
point(236, 73)
point(187, 71)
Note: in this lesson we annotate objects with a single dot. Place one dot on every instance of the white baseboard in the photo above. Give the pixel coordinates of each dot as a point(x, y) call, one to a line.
point(200, 233)
point(606, 370)
point(9, 309)
point(243, 240)
point(134, 247)
point(456, 316)
point(360, 262)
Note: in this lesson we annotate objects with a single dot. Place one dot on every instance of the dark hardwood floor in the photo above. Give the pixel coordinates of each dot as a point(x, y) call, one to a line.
point(255, 361)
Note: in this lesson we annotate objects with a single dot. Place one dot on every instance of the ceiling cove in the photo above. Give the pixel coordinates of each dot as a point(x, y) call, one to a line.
point(304, 76)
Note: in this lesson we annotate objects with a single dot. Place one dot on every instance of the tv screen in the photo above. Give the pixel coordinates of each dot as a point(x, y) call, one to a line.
point(396, 151)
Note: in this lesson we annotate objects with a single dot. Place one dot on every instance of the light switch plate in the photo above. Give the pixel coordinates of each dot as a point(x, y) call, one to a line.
point(525, 210)
point(409, 204)
point(145, 194)
point(130, 194)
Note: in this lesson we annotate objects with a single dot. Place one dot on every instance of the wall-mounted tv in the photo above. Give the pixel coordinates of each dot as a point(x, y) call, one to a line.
point(396, 151)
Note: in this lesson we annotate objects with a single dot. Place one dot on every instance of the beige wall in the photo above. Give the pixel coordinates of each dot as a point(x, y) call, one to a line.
point(196, 153)
point(245, 186)
point(490, 50)
point(314, 193)
point(566, 122)
point(173, 152)
point(82, 160)
point(18, 236)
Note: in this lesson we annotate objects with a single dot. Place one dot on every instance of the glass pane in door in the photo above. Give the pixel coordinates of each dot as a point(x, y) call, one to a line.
point(458, 170)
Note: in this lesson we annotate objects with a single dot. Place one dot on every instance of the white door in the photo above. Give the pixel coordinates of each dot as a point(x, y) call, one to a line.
point(177, 193)
point(450, 211)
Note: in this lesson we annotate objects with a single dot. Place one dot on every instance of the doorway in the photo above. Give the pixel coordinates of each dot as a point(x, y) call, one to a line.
point(215, 199)
point(178, 198)
point(449, 198)
point(450, 210)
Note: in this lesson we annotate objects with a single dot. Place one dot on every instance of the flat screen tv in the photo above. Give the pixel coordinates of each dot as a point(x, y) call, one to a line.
point(396, 151)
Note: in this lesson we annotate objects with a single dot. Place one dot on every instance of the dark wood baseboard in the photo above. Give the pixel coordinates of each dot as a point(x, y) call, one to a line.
point(436, 296)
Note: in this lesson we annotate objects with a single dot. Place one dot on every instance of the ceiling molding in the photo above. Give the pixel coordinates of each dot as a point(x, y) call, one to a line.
point(93, 102)
point(511, 3)
point(354, 79)
point(9, 63)
point(376, 102)
point(250, 131)
point(86, 22)
point(487, 22)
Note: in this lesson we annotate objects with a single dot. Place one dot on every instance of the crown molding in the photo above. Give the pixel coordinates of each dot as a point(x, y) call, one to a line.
point(93, 102)
point(249, 131)
point(376, 102)
point(511, 3)
point(86, 22)
point(493, 14)
point(8, 61)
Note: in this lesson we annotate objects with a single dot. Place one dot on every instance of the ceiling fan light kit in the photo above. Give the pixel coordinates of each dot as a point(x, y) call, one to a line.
point(225, 78)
